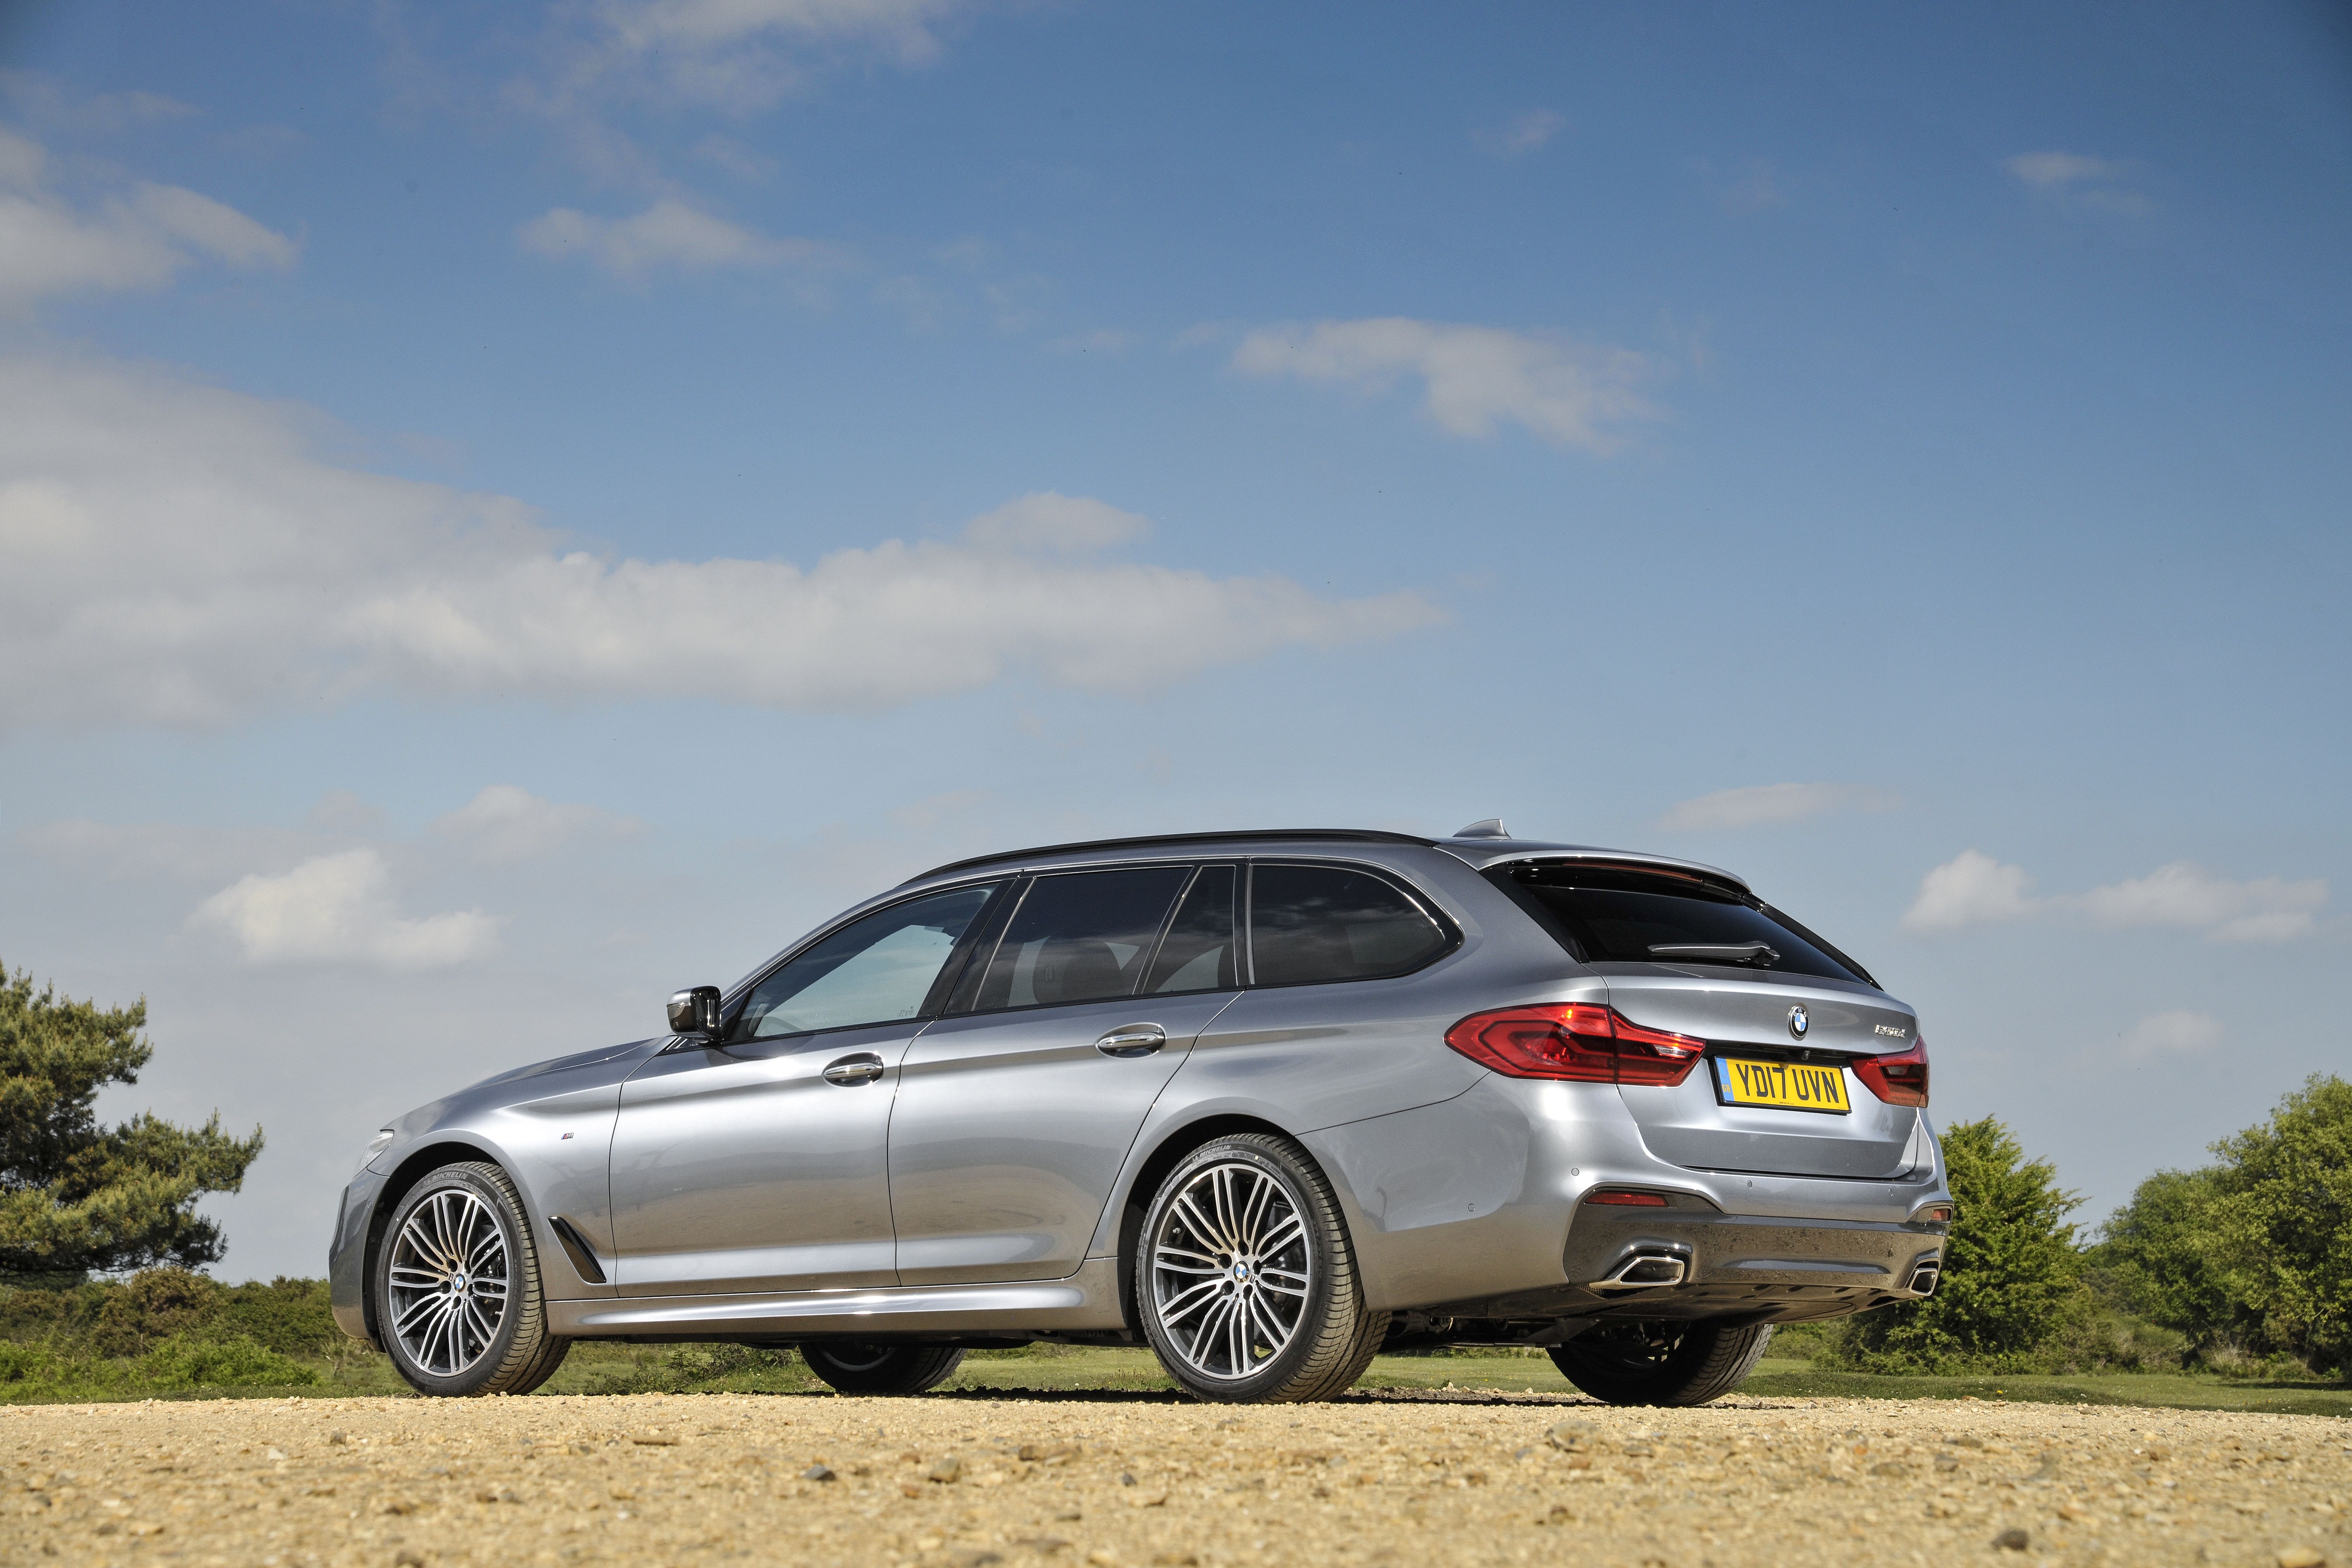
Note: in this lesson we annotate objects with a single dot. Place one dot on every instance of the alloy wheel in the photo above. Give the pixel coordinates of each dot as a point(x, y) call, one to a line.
point(1230, 1271)
point(449, 1279)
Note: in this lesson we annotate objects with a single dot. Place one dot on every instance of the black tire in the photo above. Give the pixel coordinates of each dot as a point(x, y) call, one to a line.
point(855, 1367)
point(1661, 1363)
point(1213, 1323)
point(471, 1357)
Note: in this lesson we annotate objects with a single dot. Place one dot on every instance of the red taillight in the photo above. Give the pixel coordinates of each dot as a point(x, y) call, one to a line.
point(1627, 1200)
point(1899, 1080)
point(1574, 1041)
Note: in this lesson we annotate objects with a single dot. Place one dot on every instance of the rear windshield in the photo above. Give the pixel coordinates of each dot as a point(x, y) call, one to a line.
point(1604, 915)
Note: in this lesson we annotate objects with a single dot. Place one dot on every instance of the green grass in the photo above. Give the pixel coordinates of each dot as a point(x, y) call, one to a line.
point(168, 1334)
point(2168, 1391)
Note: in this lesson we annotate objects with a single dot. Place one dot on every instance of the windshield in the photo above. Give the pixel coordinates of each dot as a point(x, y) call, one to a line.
point(1612, 915)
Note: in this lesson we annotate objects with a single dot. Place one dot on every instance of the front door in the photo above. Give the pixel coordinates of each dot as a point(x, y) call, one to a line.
point(1016, 1112)
point(759, 1164)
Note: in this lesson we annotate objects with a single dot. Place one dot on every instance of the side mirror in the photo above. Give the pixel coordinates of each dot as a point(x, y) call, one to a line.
point(695, 1012)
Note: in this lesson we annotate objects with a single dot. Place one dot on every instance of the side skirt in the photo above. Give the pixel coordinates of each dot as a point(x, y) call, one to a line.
point(1085, 1302)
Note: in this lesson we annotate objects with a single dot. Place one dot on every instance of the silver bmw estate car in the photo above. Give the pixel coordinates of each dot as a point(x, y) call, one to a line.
point(1270, 1103)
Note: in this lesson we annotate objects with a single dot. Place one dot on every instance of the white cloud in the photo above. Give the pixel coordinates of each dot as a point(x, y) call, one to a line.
point(2080, 177)
point(1760, 803)
point(137, 238)
point(1524, 132)
point(2187, 896)
point(2180, 1033)
point(179, 554)
point(1971, 889)
point(2056, 170)
point(1068, 525)
point(738, 55)
point(1473, 376)
point(505, 822)
point(340, 909)
point(669, 233)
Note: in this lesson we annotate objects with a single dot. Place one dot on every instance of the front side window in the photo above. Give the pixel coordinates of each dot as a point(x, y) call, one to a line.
point(1081, 936)
point(877, 970)
point(1310, 924)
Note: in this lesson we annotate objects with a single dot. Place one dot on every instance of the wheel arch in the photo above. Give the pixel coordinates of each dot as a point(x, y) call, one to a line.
point(415, 1166)
point(1173, 1145)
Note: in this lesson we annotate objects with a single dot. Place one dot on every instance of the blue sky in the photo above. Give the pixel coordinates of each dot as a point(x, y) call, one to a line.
point(504, 511)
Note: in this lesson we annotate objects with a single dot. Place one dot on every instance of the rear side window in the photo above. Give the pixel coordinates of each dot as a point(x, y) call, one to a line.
point(1083, 936)
point(1309, 923)
point(1608, 915)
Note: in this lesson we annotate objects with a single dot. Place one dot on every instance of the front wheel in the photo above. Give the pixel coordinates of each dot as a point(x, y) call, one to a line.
point(855, 1368)
point(1247, 1285)
point(457, 1301)
point(1661, 1363)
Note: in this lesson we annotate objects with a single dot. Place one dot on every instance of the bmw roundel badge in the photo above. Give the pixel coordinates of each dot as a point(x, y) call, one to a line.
point(1798, 1022)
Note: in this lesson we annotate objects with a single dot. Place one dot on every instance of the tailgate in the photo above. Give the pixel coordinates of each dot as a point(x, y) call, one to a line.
point(1748, 1018)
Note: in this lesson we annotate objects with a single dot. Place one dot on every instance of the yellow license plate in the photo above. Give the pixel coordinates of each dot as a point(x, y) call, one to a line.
point(1784, 1086)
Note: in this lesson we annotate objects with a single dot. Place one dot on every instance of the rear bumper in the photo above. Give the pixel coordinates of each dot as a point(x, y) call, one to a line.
point(1476, 1209)
point(1707, 1264)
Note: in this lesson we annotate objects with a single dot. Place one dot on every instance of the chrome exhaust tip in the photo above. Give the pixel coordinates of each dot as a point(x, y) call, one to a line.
point(1645, 1270)
point(1925, 1276)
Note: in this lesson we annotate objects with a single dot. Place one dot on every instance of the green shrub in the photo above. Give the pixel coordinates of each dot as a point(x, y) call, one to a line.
point(2286, 1224)
point(25, 1364)
point(179, 1363)
point(2160, 1257)
point(2011, 1270)
point(293, 1317)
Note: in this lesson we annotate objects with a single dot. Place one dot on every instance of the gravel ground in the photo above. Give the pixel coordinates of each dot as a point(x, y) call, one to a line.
point(967, 1481)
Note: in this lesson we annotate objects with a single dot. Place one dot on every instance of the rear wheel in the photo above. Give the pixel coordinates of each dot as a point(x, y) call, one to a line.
point(1661, 1363)
point(457, 1287)
point(882, 1369)
point(1246, 1283)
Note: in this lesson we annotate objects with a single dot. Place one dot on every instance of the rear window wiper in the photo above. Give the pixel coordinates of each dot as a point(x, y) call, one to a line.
point(1717, 951)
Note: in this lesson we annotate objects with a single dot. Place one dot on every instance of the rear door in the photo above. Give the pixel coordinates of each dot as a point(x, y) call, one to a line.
point(1776, 1005)
point(1015, 1111)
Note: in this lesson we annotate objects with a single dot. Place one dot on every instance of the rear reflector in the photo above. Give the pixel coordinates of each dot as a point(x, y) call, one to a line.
point(1576, 1041)
point(1630, 1200)
point(1900, 1079)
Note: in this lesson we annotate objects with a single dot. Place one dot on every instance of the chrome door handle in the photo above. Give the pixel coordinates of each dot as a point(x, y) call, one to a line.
point(1133, 1040)
point(851, 1071)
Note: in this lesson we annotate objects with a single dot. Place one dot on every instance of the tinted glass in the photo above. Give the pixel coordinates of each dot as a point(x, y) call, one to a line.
point(1627, 918)
point(1081, 937)
point(873, 971)
point(1319, 923)
point(1197, 955)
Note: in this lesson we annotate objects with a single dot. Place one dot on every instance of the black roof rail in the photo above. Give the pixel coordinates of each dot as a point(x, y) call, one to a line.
point(1254, 835)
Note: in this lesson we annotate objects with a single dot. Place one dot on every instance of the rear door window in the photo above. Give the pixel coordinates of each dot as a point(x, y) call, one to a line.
point(1310, 924)
point(1198, 951)
point(1603, 914)
point(1080, 936)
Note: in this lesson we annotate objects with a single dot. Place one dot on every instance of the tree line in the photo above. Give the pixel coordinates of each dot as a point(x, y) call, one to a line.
point(2242, 1264)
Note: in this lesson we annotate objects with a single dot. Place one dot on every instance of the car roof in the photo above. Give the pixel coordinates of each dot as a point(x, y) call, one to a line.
point(1479, 852)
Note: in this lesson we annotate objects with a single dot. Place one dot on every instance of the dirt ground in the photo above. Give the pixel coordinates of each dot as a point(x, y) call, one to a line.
point(1114, 1479)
